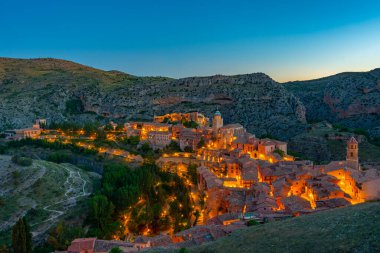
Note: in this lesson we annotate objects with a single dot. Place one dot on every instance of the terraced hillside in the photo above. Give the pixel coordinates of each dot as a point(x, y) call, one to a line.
point(45, 192)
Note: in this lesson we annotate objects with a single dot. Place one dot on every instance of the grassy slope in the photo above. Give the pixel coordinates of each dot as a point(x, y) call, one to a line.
point(350, 229)
point(40, 185)
point(337, 148)
point(42, 72)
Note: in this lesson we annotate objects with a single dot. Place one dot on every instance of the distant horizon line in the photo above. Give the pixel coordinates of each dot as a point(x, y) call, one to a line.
point(185, 77)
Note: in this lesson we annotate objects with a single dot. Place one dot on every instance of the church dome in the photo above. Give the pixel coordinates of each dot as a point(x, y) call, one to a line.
point(217, 113)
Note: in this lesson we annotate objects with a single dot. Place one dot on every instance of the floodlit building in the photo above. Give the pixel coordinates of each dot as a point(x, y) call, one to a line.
point(159, 139)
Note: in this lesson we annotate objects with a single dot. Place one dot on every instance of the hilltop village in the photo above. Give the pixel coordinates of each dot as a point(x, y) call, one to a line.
point(240, 178)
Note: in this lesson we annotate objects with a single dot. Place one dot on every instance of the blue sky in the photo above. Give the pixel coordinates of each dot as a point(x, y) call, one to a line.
point(288, 40)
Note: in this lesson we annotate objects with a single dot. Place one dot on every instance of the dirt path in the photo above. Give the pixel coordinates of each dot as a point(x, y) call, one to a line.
point(59, 208)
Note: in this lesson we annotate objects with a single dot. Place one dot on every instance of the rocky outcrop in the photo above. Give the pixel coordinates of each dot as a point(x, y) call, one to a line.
point(351, 99)
point(60, 90)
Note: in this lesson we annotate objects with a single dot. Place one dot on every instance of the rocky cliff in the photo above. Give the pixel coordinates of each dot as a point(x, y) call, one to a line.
point(61, 90)
point(350, 99)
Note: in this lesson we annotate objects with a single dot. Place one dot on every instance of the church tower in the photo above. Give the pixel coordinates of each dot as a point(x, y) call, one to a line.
point(217, 122)
point(352, 157)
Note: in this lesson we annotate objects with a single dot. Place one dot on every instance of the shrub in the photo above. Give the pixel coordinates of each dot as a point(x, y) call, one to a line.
point(172, 148)
point(22, 161)
point(360, 131)
point(252, 223)
point(74, 106)
point(116, 250)
point(188, 149)
point(190, 124)
point(183, 250)
point(280, 152)
point(133, 140)
point(201, 143)
point(59, 157)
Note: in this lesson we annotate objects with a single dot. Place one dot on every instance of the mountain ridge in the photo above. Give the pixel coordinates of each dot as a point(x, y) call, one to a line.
point(44, 87)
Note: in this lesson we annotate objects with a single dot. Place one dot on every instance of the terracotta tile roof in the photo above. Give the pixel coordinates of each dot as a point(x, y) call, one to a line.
point(218, 220)
point(296, 204)
point(155, 241)
point(105, 245)
point(352, 140)
point(332, 203)
point(229, 126)
point(81, 244)
point(211, 180)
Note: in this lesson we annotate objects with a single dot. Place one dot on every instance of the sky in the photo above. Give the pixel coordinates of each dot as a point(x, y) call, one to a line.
point(288, 39)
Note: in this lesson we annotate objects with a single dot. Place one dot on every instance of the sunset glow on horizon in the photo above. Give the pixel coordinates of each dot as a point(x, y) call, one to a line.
point(288, 40)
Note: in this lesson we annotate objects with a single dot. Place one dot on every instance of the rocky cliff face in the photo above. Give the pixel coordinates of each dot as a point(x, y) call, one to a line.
point(61, 90)
point(351, 99)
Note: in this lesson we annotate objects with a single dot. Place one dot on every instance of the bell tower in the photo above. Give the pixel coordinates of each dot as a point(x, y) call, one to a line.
point(217, 122)
point(352, 156)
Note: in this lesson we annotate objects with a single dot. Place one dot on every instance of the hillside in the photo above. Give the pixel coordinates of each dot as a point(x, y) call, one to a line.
point(45, 192)
point(61, 90)
point(349, 229)
point(323, 143)
point(351, 99)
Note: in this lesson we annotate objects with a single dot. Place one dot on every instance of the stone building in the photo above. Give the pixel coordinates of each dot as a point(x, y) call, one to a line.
point(189, 138)
point(31, 132)
point(159, 139)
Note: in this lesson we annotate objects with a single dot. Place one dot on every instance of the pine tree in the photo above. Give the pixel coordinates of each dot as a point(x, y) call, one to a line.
point(21, 237)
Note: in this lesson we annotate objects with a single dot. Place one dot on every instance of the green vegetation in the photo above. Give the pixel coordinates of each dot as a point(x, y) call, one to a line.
point(57, 145)
point(188, 149)
point(61, 236)
point(183, 250)
point(22, 161)
point(280, 152)
point(269, 136)
point(21, 237)
point(74, 106)
point(358, 131)
point(133, 140)
point(192, 173)
point(141, 194)
point(100, 216)
point(338, 230)
point(173, 147)
point(116, 250)
point(252, 223)
point(60, 157)
point(201, 143)
point(322, 144)
point(190, 124)
point(44, 184)
point(4, 249)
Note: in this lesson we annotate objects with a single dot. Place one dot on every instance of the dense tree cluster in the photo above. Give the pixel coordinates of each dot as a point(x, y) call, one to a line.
point(155, 200)
point(51, 145)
